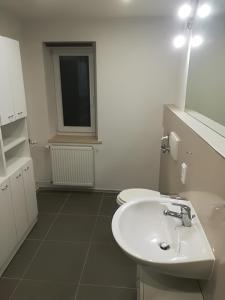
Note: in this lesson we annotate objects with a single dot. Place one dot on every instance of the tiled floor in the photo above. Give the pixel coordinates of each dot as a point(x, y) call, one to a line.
point(70, 254)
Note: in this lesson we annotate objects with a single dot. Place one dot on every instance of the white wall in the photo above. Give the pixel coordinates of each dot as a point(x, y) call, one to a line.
point(136, 75)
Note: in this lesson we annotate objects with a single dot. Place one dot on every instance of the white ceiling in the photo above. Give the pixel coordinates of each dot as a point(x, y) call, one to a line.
point(65, 9)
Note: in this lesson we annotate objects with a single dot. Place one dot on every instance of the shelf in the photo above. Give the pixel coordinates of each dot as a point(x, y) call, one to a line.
point(10, 143)
point(15, 163)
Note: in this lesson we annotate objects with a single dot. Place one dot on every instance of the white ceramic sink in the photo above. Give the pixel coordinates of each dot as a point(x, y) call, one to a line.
point(139, 228)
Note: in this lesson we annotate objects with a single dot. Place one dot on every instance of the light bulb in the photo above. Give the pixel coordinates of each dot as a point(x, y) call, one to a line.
point(184, 11)
point(204, 11)
point(196, 41)
point(179, 41)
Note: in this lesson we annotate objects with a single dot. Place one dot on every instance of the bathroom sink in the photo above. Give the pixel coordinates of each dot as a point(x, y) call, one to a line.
point(162, 242)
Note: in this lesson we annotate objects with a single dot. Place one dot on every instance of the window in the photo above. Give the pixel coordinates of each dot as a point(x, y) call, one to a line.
point(74, 82)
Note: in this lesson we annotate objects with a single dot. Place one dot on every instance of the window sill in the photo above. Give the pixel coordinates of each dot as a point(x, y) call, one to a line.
point(73, 139)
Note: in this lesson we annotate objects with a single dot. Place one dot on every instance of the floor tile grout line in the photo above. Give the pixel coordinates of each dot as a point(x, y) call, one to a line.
point(56, 217)
point(89, 247)
point(100, 204)
point(77, 242)
point(78, 214)
point(73, 284)
point(84, 214)
point(10, 278)
point(108, 286)
point(41, 280)
point(39, 247)
point(31, 239)
point(64, 241)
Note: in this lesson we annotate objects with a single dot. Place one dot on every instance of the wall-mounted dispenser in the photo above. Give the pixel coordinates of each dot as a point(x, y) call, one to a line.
point(174, 141)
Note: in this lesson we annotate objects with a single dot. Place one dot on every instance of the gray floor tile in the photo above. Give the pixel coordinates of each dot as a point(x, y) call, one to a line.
point(56, 268)
point(42, 226)
point(109, 206)
point(111, 194)
point(7, 286)
point(108, 265)
point(72, 228)
point(22, 259)
point(51, 202)
point(83, 203)
point(103, 231)
point(105, 293)
point(37, 290)
point(58, 262)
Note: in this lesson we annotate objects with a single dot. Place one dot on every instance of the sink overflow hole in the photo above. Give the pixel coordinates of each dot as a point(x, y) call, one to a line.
point(164, 246)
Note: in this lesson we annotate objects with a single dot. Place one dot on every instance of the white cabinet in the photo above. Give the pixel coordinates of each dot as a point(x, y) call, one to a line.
point(8, 237)
point(19, 203)
point(30, 193)
point(12, 94)
point(18, 92)
point(6, 101)
point(18, 211)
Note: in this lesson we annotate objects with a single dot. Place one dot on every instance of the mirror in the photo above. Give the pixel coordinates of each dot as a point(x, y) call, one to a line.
point(205, 96)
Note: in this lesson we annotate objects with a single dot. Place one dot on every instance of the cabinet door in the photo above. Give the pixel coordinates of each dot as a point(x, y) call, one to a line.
point(6, 97)
point(16, 75)
point(8, 238)
point(19, 203)
point(30, 191)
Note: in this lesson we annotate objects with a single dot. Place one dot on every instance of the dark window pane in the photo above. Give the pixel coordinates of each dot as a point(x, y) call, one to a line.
point(75, 85)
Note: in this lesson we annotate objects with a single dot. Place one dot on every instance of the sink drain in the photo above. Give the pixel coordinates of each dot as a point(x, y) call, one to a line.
point(164, 246)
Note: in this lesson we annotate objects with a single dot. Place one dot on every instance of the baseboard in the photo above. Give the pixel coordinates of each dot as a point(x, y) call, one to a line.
point(49, 186)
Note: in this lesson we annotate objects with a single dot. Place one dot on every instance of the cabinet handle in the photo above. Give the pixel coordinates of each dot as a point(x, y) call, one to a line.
point(9, 117)
point(5, 187)
point(20, 113)
point(18, 176)
point(27, 168)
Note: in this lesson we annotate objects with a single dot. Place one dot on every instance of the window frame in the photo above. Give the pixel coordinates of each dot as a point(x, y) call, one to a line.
point(75, 51)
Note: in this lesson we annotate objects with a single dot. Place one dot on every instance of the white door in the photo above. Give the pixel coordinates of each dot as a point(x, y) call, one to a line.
point(6, 97)
point(16, 75)
point(8, 238)
point(19, 203)
point(30, 192)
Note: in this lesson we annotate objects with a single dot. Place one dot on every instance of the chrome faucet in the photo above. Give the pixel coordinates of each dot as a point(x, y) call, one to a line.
point(185, 214)
point(165, 147)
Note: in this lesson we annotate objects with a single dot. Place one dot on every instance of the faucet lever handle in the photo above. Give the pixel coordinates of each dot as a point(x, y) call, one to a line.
point(183, 207)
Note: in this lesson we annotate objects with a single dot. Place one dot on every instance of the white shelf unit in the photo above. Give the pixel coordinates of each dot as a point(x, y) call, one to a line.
point(14, 146)
point(10, 143)
point(18, 203)
point(15, 163)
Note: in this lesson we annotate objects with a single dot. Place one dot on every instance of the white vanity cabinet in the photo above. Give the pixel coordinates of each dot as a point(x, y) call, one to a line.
point(30, 193)
point(12, 94)
point(8, 237)
point(19, 203)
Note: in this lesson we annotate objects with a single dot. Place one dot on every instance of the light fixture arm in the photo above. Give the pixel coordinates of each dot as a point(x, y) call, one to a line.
point(191, 19)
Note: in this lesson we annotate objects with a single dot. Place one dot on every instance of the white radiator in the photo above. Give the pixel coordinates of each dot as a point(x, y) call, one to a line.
point(72, 165)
